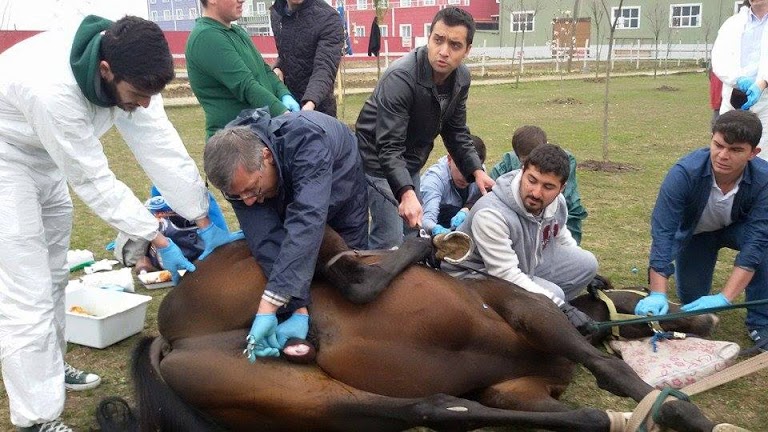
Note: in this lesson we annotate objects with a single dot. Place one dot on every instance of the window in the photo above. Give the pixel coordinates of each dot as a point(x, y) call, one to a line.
point(454, 2)
point(192, 13)
point(405, 30)
point(521, 21)
point(427, 28)
point(685, 15)
point(155, 1)
point(384, 30)
point(359, 31)
point(405, 3)
point(179, 14)
point(428, 2)
point(362, 4)
point(261, 8)
point(153, 16)
point(166, 15)
point(629, 17)
point(166, 1)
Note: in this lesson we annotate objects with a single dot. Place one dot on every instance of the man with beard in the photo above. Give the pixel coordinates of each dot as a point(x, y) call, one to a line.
point(59, 92)
point(520, 234)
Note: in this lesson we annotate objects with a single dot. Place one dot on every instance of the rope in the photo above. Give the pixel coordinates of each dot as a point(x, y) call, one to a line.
point(658, 336)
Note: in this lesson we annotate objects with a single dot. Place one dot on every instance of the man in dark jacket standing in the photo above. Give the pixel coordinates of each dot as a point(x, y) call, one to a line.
point(420, 96)
point(310, 38)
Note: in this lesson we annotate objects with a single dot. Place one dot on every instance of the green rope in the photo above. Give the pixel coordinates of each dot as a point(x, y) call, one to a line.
point(666, 392)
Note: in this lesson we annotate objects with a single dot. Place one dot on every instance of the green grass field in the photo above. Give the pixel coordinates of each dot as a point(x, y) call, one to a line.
point(652, 123)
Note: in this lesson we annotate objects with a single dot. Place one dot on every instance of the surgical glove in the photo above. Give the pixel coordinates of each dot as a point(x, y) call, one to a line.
point(173, 260)
point(439, 229)
point(297, 326)
point(290, 103)
point(744, 83)
point(753, 95)
point(214, 236)
point(458, 219)
point(706, 302)
point(654, 304)
point(262, 340)
point(583, 323)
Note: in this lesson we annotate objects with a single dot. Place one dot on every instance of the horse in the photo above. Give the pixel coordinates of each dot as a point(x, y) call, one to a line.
point(425, 349)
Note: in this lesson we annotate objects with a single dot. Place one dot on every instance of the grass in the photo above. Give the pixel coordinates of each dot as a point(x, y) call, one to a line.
point(649, 129)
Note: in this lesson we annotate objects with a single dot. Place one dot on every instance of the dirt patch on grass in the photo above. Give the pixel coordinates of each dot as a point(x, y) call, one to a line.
point(666, 88)
point(595, 80)
point(606, 166)
point(565, 101)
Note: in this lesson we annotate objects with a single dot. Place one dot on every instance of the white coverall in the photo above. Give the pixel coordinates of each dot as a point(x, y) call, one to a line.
point(726, 64)
point(49, 135)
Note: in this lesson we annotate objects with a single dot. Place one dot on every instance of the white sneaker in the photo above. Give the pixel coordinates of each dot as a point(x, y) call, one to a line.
point(77, 380)
point(51, 426)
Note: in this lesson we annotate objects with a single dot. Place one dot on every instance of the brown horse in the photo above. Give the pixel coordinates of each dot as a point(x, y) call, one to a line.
point(429, 351)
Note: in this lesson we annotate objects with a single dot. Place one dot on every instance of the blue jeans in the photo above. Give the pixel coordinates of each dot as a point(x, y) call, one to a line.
point(696, 264)
point(387, 227)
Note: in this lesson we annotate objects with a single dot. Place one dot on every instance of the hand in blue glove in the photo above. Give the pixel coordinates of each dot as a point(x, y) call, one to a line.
point(753, 95)
point(458, 219)
point(173, 260)
point(213, 237)
point(262, 340)
point(706, 302)
point(744, 83)
point(290, 103)
point(439, 229)
point(297, 326)
point(654, 304)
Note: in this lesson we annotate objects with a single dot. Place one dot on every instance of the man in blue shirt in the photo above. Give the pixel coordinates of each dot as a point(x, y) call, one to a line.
point(710, 199)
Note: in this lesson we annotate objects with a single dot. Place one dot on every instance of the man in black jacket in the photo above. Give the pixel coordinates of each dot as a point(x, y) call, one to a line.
point(420, 96)
point(309, 35)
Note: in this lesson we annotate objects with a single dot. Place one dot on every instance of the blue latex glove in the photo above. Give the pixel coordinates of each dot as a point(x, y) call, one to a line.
point(213, 237)
point(262, 340)
point(458, 219)
point(173, 260)
point(753, 95)
point(290, 103)
point(439, 229)
point(655, 303)
point(297, 326)
point(706, 302)
point(744, 83)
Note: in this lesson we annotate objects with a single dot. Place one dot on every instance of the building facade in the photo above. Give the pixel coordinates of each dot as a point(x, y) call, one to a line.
point(174, 15)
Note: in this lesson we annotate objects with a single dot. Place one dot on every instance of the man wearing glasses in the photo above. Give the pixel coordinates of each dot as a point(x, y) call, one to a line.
point(286, 178)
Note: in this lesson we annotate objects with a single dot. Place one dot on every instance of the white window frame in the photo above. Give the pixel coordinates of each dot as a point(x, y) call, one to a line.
point(623, 20)
point(427, 27)
point(405, 28)
point(684, 21)
point(261, 8)
point(166, 1)
point(427, 2)
point(153, 16)
point(384, 30)
point(167, 15)
point(519, 23)
point(192, 13)
point(152, 1)
point(405, 3)
point(359, 31)
point(454, 2)
point(362, 4)
point(179, 14)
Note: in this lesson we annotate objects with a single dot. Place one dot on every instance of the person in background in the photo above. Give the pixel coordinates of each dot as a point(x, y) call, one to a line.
point(715, 95)
point(226, 72)
point(446, 194)
point(309, 35)
point(524, 140)
point(60, 91)
point(421, 95)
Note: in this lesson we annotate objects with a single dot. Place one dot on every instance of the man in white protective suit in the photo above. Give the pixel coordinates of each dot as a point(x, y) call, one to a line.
point(59, 92)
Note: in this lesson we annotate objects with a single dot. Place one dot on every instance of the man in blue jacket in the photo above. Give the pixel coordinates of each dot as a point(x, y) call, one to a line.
point(710, 199)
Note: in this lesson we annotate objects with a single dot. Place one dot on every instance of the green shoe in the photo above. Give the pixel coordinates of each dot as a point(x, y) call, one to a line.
point(77, 380)
point(51, 426)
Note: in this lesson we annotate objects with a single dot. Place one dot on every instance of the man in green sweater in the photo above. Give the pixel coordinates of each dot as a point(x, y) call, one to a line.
point(226, 72)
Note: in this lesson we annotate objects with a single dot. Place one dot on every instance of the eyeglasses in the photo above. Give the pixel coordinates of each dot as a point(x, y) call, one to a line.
point(249, 193)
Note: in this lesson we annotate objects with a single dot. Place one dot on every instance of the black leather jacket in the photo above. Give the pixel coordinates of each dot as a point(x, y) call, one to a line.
point(399, 122)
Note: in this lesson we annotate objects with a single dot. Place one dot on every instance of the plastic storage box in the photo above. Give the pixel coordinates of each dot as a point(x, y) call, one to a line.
point(113, 316)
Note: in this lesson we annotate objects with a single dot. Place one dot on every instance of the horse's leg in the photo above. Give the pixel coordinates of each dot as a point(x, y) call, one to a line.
point(525, 394)
point(359, 282)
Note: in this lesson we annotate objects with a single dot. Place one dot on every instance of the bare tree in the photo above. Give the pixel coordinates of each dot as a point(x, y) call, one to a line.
point(706, 28)
point(597, 13)
point(655, 14)
point(612, 30)
point(381, 7)
point(521, 8)
point(572, 33)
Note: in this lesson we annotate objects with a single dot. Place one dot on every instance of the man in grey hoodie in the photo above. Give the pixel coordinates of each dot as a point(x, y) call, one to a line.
point(520, 234)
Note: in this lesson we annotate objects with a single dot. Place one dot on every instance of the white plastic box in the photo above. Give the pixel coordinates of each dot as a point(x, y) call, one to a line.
point(115, 316)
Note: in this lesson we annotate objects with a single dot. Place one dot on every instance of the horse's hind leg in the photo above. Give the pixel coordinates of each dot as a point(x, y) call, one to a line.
point(359, 282)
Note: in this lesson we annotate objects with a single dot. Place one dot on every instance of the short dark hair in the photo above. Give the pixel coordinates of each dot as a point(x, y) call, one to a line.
point(452, 17)
point(137, 52)
point(204, 3)
point(549, 159)
point(479, 147)
point(739, 126)
point(526, 138)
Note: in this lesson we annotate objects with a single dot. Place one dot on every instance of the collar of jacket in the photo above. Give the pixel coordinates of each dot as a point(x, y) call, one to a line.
point(84, 59)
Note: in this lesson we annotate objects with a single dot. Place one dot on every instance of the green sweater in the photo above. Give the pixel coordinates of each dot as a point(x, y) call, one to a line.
point(228, 74)
point(576, 212)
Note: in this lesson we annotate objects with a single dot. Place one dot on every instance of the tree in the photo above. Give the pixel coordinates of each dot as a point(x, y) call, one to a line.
point(656, 16)
point(521, 22)
point(598, 14)
point(612, 31)
point(381, 7)
point(572, 33)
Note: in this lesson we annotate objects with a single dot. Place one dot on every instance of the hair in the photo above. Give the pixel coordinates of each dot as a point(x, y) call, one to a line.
point(137, 52)
point(204, 3)
point(479, 147)
point(229, 148)
point(549, 159)
point(452, 17)
point(739, 126)
point(526, 138)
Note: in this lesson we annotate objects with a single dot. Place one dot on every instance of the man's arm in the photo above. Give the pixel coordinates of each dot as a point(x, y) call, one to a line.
point(432, 189)
point(666, 220)
point(394, 98)
point(330, 44)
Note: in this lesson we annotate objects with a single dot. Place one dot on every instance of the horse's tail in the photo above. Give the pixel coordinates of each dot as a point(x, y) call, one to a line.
point(160, 408)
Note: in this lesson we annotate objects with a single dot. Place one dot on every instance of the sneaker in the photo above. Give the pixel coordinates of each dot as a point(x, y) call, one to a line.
point(760, 336)
point(77, 380)
point(51, 426)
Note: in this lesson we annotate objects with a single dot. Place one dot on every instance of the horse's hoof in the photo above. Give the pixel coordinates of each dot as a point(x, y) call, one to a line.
point(299, 351)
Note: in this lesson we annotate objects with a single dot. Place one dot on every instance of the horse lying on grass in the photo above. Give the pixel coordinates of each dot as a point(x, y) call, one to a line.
point(430, 351)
